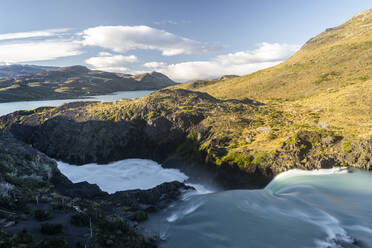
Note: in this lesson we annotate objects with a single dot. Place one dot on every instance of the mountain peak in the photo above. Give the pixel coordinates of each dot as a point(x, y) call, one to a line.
point(364, 13)
point(74, 68)
point(357, 29)
point(153, 77)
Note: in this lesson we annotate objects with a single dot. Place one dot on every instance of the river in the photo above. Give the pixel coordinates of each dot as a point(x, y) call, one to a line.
point(322, 208)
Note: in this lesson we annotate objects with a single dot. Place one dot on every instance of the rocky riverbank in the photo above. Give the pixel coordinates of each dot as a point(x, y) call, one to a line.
point(39, 207)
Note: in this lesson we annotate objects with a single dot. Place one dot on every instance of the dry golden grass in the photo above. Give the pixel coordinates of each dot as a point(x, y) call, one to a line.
point(328, 81)
point(334, 59)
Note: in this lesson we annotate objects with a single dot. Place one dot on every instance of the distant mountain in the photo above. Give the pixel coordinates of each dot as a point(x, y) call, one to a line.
point(75, 82)
point(8, 71)
point(152, 77)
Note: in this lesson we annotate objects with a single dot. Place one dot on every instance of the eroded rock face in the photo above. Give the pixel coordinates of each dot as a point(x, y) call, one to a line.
point(100, 141)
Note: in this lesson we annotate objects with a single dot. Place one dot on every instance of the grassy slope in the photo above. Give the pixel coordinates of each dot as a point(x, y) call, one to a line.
point(332, 74)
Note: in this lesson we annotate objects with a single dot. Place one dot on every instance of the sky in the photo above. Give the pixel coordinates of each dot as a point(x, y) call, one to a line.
point(186, 40)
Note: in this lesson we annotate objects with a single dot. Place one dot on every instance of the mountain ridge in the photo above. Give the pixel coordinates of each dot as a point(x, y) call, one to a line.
point(75, 82)
point(7, 71)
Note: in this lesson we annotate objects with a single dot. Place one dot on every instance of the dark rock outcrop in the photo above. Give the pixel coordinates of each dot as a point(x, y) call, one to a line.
point(225, 77)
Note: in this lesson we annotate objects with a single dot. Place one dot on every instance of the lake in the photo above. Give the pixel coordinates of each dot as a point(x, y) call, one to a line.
point(10, 107)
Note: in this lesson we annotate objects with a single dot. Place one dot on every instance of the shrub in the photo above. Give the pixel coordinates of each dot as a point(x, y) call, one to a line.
point(259, 158)
point(41, 215)
point(347, 146)
point(139, 216)
point(50, 229)
point(23, 237)
point(59, 207)
point(242, 160)
point(79, 220)
point(52, 243)
point(364, 78)
point(79, 244)
point(271, 136)
point(292, 140)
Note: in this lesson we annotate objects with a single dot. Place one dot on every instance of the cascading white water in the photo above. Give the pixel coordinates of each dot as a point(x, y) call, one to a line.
point(122, 175)
point(324, 208)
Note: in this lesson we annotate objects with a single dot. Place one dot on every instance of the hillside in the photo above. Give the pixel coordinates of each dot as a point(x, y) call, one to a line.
point(7, 71)
point(75, 82)
point(329, 77)
point(312, 111)
point(337, 58)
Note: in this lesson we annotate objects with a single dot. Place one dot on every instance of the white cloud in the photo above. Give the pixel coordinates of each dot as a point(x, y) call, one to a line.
point(108, 62)
point(266, 52)
point(21, 52)
point(32, 34)
point(188, 71)
point(104, 54)
point(125, 38)
point(154, 64)
point(239, 63)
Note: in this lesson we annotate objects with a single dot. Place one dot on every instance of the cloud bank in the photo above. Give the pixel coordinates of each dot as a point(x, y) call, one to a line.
point(32, 34)
point(239, 63)
point(122, 39)
point(113, 63)
point(22, 52)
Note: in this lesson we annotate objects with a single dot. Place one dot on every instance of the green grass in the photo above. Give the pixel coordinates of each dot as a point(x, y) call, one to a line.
point(347, 146)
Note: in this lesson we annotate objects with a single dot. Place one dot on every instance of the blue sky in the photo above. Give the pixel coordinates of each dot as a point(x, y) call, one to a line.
point(187, 40)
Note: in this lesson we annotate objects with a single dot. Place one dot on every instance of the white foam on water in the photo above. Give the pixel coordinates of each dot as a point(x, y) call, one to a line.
point(298, 172)
point(360, 228)
point(122, 175)
point(199, 190)
point(186, 207)
point(179, 214)
point(173, 217)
